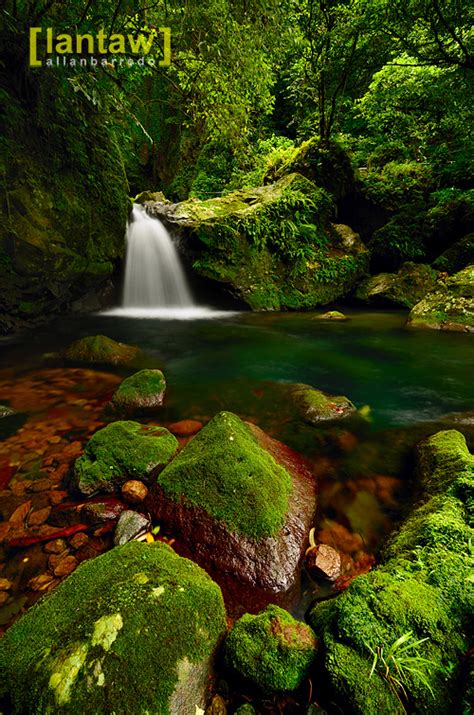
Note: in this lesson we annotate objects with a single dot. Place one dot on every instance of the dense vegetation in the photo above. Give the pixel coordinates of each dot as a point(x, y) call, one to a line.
point(386, 85)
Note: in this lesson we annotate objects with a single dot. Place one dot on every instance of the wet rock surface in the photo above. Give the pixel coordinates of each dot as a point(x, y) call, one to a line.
point(450, 306)
point(145, 390)
point(130, 525)
point(269, 562)
point(101, 349)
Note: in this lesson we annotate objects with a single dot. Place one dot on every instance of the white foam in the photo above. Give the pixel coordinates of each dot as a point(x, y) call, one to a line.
point(192, 313)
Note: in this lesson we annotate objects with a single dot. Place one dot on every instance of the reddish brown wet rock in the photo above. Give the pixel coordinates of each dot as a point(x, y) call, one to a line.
point(56, 546)
point(185, 428)
point(65, 566)
point(41, 582)
point(55, 559)
point(268, 562)
point(4, 596)
point(5, 584)
point(102, 512)
point(323, 561)
point(339, 537)
point(36, 518)
point(78, 541)
point(134, 491)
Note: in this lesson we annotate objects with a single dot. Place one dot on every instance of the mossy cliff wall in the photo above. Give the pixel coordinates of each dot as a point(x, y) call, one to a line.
point(63, 198)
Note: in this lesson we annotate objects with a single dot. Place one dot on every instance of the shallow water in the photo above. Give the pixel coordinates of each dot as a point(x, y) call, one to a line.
point(238, 362)
point(405, 376)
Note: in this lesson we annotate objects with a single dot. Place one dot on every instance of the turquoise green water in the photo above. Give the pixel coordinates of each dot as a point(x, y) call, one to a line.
point(405, 376)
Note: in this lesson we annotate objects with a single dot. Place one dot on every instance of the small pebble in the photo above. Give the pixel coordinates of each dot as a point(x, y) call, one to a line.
point(55, 547)
point(5, 584)
point(185, 428)
point(134, 491)
point(39, 517)
point(78, 540)
point(65, 566)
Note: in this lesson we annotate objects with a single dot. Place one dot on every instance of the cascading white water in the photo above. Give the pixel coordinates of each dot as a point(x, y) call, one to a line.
point(154, 277)
point(155, 283)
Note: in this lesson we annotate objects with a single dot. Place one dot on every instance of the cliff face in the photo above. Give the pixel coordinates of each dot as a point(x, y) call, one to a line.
point(63, 201)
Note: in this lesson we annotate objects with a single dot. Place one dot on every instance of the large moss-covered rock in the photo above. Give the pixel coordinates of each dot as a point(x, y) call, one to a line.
point(272, 649)
point(405, 288)
point(242, 502)
point(142, 391)
point(327, 166)
point(131, 631)
point(101, 349)
point(422, 592)
point(123, 450)
point(449, 307)
point(457, 256)
point(273, 246)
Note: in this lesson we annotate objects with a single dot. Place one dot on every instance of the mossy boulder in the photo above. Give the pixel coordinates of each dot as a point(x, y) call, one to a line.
point(327, 166)
point(144, 390)
point(273, 246)
point(132, 631)
point(457, 256)
point(241, 501)
point(422, 593)
point(101, 349)
point(315, 406)
point(272, 649)
point(121, 451)
point(331, 315)
point(405, 288)
point(449, 307)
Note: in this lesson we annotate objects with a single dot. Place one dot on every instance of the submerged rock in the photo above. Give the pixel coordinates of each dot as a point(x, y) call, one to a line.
point(331, 315)
point(101, 349)
point(422, 593)
point(6, 412)
point(449, 307)
point(272, 649)
point(315, 406)
point(131, 631)
point(272, 246)
point(405, 288)
point(121, 451)
point(142, 391)
point(241, 502)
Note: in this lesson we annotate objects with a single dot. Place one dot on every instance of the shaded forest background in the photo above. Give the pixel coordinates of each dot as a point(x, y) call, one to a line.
point(381, 91)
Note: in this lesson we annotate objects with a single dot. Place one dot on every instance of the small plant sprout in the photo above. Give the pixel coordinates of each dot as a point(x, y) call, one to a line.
point(312, 541)
point(401, 662)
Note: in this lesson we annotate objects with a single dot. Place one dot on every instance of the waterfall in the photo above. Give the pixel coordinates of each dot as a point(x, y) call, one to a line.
point(154, 277)
point(155, 284)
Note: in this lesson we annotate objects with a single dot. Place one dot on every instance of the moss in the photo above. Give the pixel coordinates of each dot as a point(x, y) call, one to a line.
point(331, 315)
point(422, 588)
point(457, 256)
point(224, 471)
point(101, 349)
point(104, 641)
point(315, 406)
point(405, 288)
point(144, 389)
point(449, 307)
point(271, 649)
point(123, 450)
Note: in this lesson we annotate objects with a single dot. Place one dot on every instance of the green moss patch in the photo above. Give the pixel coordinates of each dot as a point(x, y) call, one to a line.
point(225, 471)
point(271, 649)
point(315, 406)
point(143, 390)
point(449, 307)
point(133, 630)
point(422, 593)
point(123, 450)
point(101, 349)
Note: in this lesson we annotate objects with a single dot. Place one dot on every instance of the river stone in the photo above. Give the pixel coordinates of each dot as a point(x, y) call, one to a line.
point(131, 631)
point(101, 349)
point(121, 451)
point(272, 649)
point(405, 288)
point(449, 307)
point(331, 315)
point(144, 390)
point(6, 412)
point(241, 502)
point(421, 590)
point(315, 406)
point(324, 562)
point(130, 525)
